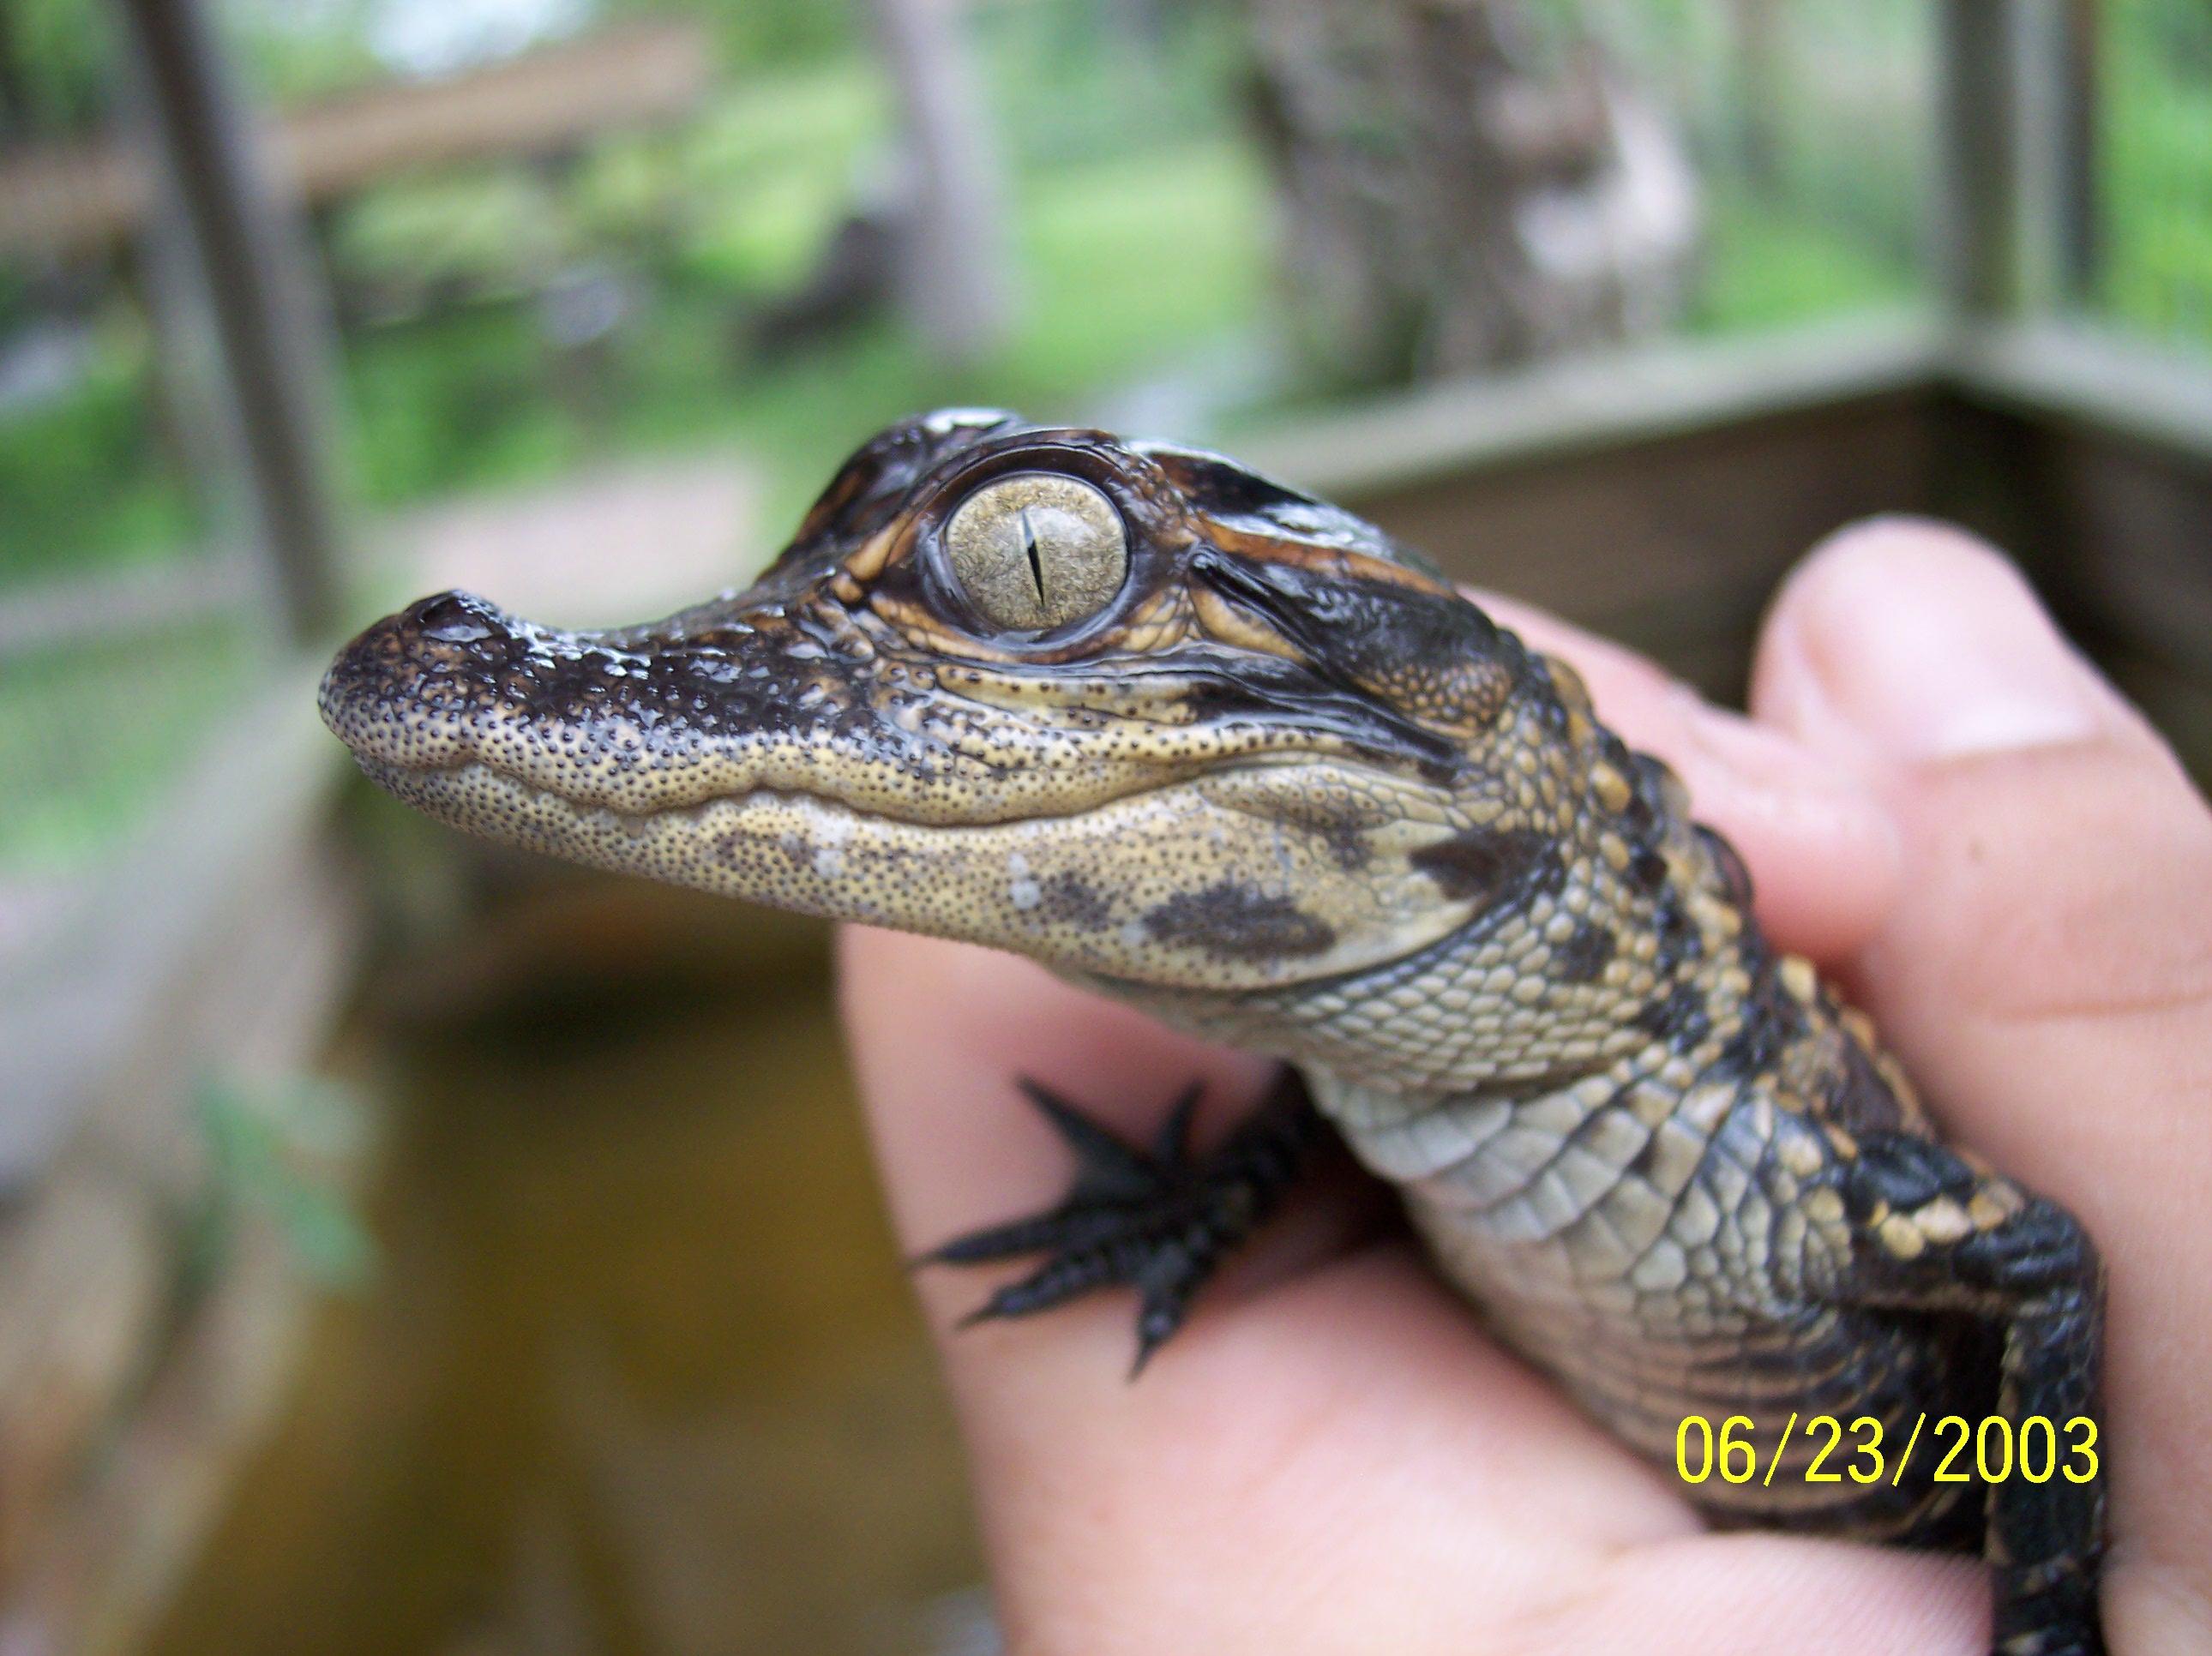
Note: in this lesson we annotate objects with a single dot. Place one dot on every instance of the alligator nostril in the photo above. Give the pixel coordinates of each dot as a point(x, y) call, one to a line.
point(456, 618)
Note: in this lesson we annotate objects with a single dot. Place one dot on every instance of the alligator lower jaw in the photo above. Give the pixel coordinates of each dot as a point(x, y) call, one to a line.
point(484, 799)
point(496, 803)
point(788, 850)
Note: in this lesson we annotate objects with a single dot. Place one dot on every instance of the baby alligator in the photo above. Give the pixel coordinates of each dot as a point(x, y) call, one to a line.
point(1194, 738)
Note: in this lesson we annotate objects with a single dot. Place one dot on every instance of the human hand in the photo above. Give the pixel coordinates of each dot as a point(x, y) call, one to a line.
point(1941, 803)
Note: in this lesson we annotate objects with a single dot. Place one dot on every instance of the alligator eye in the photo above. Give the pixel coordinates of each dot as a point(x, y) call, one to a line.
point(1034, 550)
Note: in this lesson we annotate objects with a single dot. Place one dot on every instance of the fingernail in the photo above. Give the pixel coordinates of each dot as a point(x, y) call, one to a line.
point(1776, 777)
point(1930, 647)
point(1747, 749)
point(1820, 828)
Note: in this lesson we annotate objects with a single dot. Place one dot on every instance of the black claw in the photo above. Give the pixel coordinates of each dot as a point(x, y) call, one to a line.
point(1107, 1167)
point(1154, 1329)
point(1006, 1241)
point(1171, 1146)
point(1157, 1219)
point(1171, 1277)
point(1057, 1281)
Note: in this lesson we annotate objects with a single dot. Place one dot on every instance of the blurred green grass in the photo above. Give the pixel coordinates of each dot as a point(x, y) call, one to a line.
point(467, 400)
point(1134, 245)
point(2155, 170)
point(1124, 262)
point(1131, 253)
point(1769, 268)
point(87, 481)
point(1142, 240)
point(91, 732)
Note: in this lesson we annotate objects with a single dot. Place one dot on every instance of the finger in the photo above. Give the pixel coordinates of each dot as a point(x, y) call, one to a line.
point(1822, 848)
point(941, 1034)
point(1359, 1394)
point(967, 1147)
point(2048, 972)
point(1749, 1594)
point(964, 1149)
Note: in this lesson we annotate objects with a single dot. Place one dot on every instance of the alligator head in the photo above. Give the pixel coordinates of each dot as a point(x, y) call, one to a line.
point(1122, 707)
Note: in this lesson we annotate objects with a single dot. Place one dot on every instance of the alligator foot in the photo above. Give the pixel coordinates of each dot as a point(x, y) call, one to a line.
point(1157, 1218)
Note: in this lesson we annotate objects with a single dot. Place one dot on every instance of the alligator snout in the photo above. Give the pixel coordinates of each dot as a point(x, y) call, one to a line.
point(635, 719)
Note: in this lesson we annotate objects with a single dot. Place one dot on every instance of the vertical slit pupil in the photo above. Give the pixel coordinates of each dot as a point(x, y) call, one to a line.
point(1029, 548)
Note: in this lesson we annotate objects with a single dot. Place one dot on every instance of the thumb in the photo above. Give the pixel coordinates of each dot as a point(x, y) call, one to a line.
point(2047, 973)
point(2060, 862)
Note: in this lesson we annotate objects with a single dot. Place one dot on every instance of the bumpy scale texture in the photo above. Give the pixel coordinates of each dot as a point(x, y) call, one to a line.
point(1285, 786)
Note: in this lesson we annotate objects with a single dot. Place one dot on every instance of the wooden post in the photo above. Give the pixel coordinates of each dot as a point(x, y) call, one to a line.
point(957, 258)
point(253, 280)
point(1976, 207)
point(2016, 125)
point(1759, 85)
point(2054, 55)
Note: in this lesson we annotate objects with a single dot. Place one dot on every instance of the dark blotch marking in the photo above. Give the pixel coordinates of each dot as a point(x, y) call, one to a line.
point(1905, 1171)
point(1067, 900)
point(1679, 1019)
point(1734, 877)
point(1771, 1019)
point(731, 850)
point(1347, 845)
point(1645, 1160)
point(1492, 866)
point(1752, 1050)
point(1340, 825)
point(1238, 922)
point(1676, 933)
point(1649, 808)
point(1584, 955)
point(1860, 1101)
point(1647, 871)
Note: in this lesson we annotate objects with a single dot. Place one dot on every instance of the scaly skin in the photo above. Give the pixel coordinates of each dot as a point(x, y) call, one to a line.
point(1262, 772)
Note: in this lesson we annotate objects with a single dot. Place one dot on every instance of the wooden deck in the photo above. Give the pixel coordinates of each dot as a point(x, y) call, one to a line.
point(82, 200)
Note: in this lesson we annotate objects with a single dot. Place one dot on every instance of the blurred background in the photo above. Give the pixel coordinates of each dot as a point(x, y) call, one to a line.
point(406, 1247)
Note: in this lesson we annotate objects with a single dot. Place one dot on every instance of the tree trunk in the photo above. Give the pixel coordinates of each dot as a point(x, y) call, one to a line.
point(1455, 198)
point(955, 264)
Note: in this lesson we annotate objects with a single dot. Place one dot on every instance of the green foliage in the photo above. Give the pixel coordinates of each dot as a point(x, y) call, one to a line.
point(458, 400)
point(82, 478)
point(763, 174)
point(2156, 174)
point(59, 51)
point(1141, 236)
point(2177, 33)
point(753, 34)
point(288, 53)
point(486, 229)
point(469, 398)
point(273, 1150)
point(1071, 81)
point(1767, 268)
point(93, 732)
point(1126, 266)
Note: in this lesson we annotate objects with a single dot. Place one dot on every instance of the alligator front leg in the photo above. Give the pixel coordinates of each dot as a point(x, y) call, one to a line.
point(1936, 1234)
point(1155, 1218)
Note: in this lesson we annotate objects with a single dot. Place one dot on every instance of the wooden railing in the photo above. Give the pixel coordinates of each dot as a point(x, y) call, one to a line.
point(83, 199)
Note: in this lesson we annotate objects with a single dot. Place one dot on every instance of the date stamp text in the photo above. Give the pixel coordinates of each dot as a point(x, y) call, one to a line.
point(1830, 1450)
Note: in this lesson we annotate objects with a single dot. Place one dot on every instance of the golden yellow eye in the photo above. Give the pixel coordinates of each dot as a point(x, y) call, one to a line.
point(1034, 550)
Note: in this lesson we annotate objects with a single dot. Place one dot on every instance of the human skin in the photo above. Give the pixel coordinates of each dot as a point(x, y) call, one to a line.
point(1986, 846)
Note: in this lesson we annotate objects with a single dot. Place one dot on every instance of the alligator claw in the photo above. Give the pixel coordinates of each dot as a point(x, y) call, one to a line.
point(1153, 1217)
